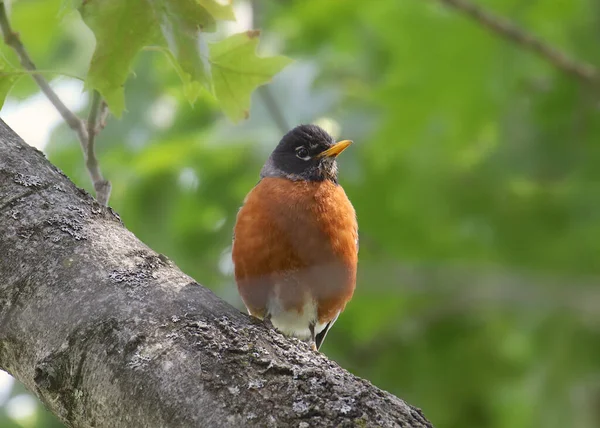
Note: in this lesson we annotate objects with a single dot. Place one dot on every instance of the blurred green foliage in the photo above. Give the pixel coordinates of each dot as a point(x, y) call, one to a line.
point(474, 174)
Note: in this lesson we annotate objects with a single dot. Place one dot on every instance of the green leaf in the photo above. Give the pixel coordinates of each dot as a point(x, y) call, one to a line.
point(217, 10)
point(121, 28)
point(67, 6)
point(8, 76)
point(181, 23)
point(187, 13)
point(191, 88)
point(237, 71)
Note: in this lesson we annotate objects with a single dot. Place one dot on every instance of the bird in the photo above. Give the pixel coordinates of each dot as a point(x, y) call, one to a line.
point(295, 239)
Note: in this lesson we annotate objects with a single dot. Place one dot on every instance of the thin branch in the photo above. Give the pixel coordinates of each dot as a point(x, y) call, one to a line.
point(12, 39)
point(273, 109)
point(264, 92)
point(101, 185)
point(86, 135)
point(585, 72)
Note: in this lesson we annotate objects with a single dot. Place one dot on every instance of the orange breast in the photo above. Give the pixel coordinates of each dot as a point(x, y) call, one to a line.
point(300, 237)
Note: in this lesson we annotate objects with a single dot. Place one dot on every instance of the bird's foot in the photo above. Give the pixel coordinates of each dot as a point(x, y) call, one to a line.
point(267, 321)
point(311, 342)
point(255, 320)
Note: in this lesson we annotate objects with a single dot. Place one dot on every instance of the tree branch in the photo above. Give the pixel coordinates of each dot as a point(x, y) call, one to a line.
point(110, 334)
point(585, 72)
point(86, 137)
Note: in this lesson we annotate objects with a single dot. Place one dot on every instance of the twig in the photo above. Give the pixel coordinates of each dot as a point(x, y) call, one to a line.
point(509, 30)
point(86, 135)
point(273, 109)
point(101, 185)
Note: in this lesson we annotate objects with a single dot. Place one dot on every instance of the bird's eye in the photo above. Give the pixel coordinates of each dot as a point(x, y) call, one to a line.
point(302, 153)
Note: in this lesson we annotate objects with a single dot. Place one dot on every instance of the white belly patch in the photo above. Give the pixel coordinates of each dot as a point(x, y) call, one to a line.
point(292, 322)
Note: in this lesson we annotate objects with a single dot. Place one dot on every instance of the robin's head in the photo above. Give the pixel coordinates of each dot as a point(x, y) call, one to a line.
point(307, 152)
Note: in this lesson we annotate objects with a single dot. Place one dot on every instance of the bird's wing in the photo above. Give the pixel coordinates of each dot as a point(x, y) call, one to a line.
point(262, 248)
point(320, 337)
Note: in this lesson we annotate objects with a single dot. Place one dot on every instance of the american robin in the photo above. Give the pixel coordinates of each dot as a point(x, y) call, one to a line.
point(295, 245)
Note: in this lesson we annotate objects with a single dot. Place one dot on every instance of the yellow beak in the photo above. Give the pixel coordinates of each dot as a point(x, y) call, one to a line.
point(336, 149)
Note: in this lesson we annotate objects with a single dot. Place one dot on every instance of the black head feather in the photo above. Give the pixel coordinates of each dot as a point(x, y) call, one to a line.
point(296, 157)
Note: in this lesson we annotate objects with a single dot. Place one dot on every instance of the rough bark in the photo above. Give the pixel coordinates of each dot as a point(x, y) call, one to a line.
point(108, 333)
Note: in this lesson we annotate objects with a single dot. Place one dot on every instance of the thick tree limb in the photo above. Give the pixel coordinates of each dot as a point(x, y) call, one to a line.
point(511, 31)
point(110, 334)
point(86, 135)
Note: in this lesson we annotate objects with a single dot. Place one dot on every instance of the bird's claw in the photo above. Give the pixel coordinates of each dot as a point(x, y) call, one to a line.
point(267, 322)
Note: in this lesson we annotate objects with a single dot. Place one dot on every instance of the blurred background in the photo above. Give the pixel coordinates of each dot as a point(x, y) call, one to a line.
point(475, 174)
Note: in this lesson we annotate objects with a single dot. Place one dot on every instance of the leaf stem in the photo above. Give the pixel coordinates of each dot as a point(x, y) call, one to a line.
point(38, 71)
